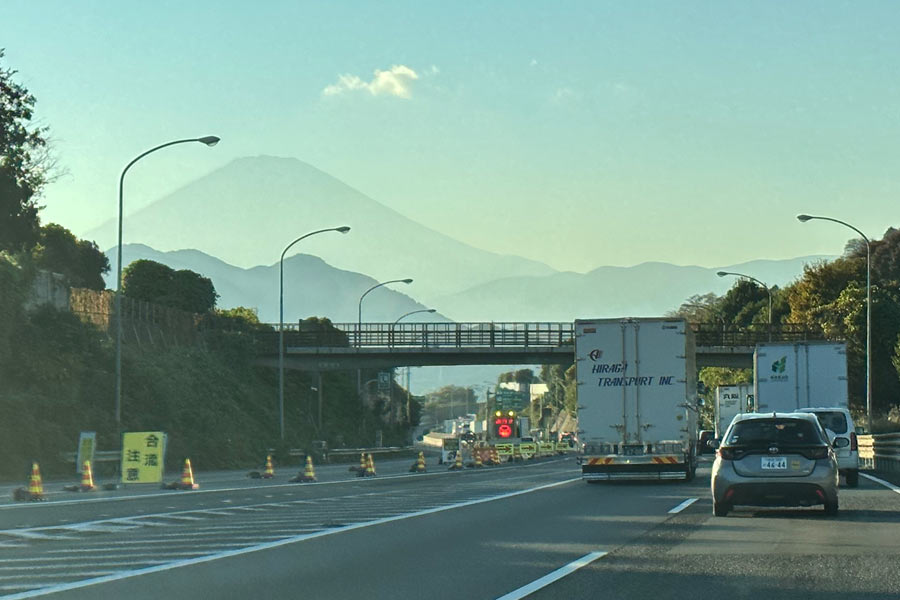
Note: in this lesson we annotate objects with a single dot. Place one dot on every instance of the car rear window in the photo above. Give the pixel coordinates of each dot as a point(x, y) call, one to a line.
point(780, 431)
point(834, 420)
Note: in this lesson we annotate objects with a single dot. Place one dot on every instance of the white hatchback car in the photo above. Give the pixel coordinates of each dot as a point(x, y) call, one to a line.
point(839, 424)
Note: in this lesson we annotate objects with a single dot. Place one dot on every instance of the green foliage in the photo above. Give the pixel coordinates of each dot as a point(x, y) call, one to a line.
point(713, 377)
point(81, 261)
point(22, 165)
point(525, 376)
point(185, 290)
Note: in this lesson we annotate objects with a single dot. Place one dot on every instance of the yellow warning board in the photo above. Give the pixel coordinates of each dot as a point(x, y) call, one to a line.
point(562, 447)
point(142, 456)
point(528, 449)
point(547, 448)
point(504, 449)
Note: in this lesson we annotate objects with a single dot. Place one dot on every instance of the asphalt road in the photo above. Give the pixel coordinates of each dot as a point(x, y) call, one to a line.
point(491, 533)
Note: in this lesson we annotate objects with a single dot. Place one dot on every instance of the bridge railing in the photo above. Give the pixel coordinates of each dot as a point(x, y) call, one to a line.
point(458, 335)
point(712, 334)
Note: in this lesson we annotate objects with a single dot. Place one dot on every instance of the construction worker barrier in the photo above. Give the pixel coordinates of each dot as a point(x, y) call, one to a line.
point(187, 479)
point(527, 450)
point(419, 465)
point(87, 477)
point(457, 464)
point(269, 473)
point(308, 475)
point(504, 451)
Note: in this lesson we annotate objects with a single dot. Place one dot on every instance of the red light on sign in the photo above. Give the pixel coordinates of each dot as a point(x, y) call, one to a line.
point(504, 431)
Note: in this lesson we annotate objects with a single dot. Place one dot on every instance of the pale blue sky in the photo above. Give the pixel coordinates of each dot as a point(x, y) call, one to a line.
point(580, 133)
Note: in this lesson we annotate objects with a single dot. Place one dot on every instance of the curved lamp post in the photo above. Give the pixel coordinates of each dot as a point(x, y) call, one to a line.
point(343, 229)
point(768, 291)
point(359, 315)
point(209, 140)
point(408, 393)
point(804, 219)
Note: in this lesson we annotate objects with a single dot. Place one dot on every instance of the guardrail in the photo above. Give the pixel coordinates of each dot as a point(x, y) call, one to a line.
point(880, 452)
point(99, 456)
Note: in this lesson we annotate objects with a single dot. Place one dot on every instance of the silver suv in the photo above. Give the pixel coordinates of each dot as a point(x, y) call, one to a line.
point(841, 430)
point(774, 459)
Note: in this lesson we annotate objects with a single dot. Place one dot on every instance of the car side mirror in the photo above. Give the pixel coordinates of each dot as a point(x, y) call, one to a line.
point(840, 442)
point(714, 443)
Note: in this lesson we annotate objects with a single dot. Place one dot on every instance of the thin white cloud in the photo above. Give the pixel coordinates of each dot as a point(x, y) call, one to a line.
point(565, 94)
point(396, 81)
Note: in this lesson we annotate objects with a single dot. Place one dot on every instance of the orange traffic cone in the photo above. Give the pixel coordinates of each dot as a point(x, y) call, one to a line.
point(269, 473)
point(420, 463)
point(309, 473)
point(35, 484)
point(87, 477)
point(495, 456)
point(457, 464)
point(478, 463)
point(370, 467)
point(187, 477)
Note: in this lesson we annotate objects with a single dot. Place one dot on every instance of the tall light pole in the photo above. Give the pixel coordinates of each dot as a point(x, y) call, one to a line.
point(343, 229)
point(804, 219)
point(209, 140)
point(768, 291)
point(408, 393)
point(359, 325)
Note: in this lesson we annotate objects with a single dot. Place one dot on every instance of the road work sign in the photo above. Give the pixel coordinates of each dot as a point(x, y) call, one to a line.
point(143, 456)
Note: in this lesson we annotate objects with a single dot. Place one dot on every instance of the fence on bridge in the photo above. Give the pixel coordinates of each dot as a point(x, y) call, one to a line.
point(498, 335)
point(880, 452)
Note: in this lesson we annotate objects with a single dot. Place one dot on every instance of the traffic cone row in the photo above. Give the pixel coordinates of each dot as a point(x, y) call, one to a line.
point(478, 463)
point(269, 473)
point(308, 475)
point(419, 465)
point(495, 456)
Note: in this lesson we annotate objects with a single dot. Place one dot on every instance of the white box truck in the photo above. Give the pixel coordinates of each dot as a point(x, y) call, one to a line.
point(637, 398)
point(732, 400)
point(788, 376)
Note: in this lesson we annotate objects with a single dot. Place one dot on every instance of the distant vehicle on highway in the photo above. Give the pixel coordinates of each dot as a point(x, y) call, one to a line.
point(839, 425)
point(775, 459)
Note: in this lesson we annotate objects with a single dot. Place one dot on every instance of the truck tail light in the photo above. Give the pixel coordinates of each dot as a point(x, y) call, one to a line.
point(854, 444)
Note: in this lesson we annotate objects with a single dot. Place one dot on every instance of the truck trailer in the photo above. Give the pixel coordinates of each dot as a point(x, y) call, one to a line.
point(732, 400)
point(637, 398)
point(788, 376)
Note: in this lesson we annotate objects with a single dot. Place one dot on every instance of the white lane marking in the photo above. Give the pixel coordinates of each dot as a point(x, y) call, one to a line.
point(551, 577)
point(682, 506)
point(276, 544)
point(173, 493)
point(886, 484)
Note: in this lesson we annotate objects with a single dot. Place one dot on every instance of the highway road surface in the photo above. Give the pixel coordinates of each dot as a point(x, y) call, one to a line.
point(525, 530)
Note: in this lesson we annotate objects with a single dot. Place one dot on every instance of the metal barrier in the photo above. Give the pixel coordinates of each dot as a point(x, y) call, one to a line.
point(99, 456)
point(880, 452)
point(352, 452)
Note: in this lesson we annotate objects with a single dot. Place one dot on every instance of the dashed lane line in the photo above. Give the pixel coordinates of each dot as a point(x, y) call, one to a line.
point(682, 506)
point(553, 576)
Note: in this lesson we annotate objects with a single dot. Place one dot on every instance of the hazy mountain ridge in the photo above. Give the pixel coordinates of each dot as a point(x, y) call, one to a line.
point(247, 212)
point(647, 289)
point(335, 293)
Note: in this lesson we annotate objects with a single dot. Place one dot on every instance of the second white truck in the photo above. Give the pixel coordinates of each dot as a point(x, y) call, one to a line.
point(637, 398)
point(732, 400)
point(788, 376)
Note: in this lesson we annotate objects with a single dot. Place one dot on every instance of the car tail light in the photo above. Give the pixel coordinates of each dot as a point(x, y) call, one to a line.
point(854, 445)
point(817, 452)
point(726, 453)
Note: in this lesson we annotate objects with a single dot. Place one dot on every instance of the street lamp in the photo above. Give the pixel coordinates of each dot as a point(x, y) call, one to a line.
point(768, 291)
point(359, 319)
point(209, 140)
point(408, 393)
point(804, 219)
point(343, 229)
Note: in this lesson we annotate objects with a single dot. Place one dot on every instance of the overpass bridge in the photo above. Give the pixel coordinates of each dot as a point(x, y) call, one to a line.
point(386, 345)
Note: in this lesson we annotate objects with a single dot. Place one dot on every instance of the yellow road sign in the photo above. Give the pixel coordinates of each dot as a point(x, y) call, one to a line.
point(142, 456)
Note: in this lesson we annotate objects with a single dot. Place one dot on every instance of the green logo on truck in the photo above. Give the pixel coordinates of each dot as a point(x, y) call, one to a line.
point(778, 365)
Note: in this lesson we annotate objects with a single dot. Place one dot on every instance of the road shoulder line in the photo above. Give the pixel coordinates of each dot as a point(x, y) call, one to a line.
point(886, 484)
point(553, 576)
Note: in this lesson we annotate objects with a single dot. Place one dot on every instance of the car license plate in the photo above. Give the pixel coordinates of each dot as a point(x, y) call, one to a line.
point(774, 463)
